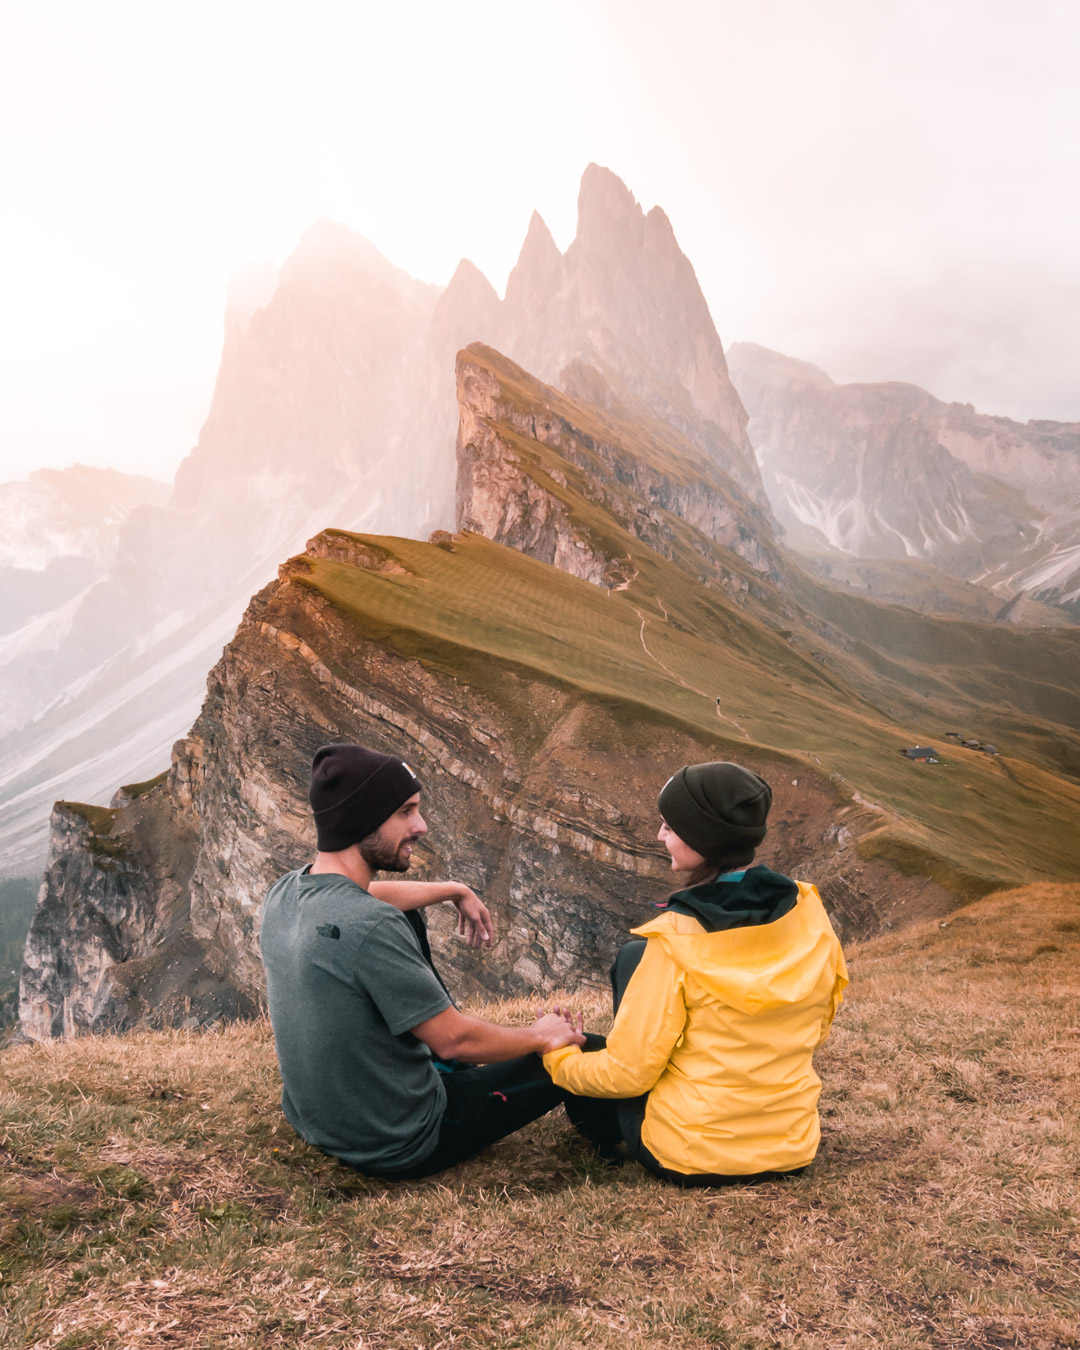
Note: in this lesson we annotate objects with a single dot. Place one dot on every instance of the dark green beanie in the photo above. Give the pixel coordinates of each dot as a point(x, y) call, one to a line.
point(719, 809)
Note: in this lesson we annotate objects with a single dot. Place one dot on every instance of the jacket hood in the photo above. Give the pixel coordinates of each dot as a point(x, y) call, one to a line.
point(758, 896)
point(758, 965)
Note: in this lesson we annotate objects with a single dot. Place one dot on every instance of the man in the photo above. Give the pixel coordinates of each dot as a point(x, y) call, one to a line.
point(364, 1028)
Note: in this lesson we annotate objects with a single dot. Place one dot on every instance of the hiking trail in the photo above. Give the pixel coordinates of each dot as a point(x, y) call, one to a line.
point(674, 674)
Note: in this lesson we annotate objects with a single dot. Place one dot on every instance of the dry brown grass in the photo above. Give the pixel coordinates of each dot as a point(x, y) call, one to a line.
point(152, 1196)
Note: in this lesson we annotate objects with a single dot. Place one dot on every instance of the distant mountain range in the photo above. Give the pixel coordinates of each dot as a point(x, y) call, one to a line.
point(887, 471)
point(60, 532)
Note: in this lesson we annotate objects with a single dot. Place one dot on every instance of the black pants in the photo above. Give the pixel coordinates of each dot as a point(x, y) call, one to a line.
point(615, 1121)
point(486, 1103)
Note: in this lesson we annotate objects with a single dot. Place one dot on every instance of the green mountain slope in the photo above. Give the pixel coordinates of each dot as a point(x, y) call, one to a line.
point(669, 647)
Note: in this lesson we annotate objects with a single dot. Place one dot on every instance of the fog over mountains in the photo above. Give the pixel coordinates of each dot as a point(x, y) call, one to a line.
point(335, 406)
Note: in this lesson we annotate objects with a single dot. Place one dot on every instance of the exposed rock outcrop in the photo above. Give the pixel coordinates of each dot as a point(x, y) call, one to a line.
point(111, 944)
point(638, 470)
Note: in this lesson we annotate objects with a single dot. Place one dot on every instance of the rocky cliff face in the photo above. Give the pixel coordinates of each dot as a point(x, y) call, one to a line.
point(889, 471)
point(640, 471)
point(122, 961)
point(624, 299)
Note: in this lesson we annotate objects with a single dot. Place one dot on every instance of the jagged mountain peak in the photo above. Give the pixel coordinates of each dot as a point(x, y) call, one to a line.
point(605, 204)
point(539, 248)
point(659, 230)
point(538, 236)
point(469, 308)
point(539, 271)
point(469, 281)
point(623, 299)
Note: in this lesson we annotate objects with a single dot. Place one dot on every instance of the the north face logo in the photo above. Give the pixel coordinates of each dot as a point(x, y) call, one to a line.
point(330, 930)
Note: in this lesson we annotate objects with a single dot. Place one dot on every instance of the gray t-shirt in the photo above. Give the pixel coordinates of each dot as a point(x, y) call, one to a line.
point(345, 981)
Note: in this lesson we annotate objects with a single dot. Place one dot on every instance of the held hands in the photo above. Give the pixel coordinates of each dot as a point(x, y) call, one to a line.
point(474, 920)
point(558, 1028)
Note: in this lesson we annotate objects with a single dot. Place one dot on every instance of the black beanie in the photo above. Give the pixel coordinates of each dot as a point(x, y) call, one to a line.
point(719, 809)
point(353, 791)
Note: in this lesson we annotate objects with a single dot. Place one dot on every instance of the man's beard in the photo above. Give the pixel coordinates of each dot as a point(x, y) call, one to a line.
point(382, 856)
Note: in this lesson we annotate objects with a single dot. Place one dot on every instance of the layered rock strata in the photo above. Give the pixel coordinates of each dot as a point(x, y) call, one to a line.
point(638, 471)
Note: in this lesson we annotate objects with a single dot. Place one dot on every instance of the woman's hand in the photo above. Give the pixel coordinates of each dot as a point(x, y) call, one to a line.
point(474, 920)
point(575, 1021)
point(556, 1029)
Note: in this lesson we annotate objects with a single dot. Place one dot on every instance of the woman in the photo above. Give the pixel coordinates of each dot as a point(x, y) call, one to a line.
point(721, 1002)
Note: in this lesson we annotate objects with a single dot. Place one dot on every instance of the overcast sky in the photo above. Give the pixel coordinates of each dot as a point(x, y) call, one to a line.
point(888, 189)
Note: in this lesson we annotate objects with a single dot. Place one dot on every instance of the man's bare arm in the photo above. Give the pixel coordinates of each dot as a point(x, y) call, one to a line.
point(452, 1035)
point(474, 918)
point(416, 894)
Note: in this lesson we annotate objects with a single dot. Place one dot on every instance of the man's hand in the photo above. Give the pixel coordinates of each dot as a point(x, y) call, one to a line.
point(558, 1028)
point(575, 1020)
point(474, 920)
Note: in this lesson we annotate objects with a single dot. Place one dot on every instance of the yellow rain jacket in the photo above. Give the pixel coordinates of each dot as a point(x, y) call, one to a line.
point(720, 1028)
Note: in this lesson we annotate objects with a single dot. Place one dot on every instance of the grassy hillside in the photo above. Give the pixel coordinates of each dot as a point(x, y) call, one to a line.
point(669, 647)
point(153, 1196)
point(1020, 687)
